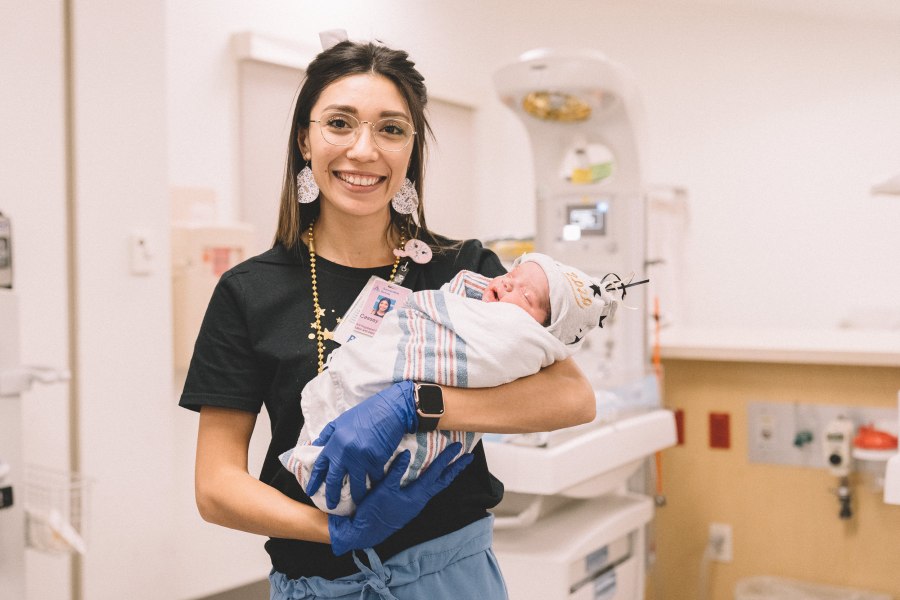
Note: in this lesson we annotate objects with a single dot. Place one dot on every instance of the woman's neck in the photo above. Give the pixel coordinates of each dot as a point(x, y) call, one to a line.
point(353, 242)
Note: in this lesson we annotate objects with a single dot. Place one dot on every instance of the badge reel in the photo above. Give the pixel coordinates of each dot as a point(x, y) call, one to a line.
point(418, 251)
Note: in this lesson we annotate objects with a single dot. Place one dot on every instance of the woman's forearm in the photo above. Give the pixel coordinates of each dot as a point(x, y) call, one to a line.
point(228, 495)
point(557, 396)
point(243, 502)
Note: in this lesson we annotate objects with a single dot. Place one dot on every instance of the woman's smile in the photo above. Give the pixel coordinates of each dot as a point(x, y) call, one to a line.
point(359, 180)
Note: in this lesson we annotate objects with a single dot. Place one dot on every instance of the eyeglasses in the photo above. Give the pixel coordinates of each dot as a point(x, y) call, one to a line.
point(341, 129)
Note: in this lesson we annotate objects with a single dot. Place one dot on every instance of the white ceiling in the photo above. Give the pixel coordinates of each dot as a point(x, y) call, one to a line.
point(867, 10)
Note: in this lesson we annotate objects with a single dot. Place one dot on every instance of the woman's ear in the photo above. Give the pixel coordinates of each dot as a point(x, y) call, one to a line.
point(303, 143)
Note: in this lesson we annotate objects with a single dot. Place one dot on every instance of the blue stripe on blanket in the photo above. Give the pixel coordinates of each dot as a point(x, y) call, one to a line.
point(426, 347)
point(424, 356)
point(473, 293)
point(462, 365)
point(439, 440)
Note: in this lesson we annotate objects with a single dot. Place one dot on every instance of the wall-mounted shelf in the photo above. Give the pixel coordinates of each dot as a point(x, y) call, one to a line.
point(825, 346)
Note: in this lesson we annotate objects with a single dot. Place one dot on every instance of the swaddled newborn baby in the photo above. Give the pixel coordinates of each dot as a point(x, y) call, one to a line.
point(473, 332)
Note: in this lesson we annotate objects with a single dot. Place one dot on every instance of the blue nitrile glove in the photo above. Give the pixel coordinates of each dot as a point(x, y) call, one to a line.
point(360, 441)
point(388, 507)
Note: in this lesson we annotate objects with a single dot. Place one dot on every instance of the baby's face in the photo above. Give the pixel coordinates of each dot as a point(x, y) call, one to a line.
point(526, 286)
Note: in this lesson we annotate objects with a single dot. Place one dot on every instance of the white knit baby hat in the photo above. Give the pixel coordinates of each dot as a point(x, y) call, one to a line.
point(578, 303)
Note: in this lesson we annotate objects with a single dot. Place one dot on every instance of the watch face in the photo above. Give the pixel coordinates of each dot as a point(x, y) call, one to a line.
point(431, 400)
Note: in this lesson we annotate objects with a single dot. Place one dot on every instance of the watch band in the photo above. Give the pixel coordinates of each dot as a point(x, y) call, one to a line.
point(429, 405)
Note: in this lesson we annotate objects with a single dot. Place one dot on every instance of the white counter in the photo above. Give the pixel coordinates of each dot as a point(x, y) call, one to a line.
point(828, 347)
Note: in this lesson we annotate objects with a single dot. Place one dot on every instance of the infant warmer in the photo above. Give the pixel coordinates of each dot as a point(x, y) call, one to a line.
point(568, 526)
point(582, 116)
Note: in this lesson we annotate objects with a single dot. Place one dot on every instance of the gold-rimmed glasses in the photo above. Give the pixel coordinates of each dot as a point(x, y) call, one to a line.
point(341, 129)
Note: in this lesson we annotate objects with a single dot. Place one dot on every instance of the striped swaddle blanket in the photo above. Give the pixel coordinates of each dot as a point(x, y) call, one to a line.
point(447, 336)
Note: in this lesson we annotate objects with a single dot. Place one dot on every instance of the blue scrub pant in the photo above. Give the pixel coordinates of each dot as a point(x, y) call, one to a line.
point(458, 565)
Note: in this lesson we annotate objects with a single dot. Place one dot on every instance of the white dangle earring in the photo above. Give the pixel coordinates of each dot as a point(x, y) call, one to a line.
point(307, 190)
point(406, 200)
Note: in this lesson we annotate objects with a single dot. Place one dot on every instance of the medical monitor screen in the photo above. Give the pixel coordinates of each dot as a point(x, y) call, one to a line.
point(589, 218)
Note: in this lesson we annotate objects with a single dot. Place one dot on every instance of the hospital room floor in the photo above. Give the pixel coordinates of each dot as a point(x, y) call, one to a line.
point(253, 591)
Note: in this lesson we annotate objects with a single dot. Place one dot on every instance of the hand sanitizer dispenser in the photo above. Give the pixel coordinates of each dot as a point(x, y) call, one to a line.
point(836, 446)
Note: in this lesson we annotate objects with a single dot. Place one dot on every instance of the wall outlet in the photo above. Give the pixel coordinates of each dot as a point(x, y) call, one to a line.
point(720, 545)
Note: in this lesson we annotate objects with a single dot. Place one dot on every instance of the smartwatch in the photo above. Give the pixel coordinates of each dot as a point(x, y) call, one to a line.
point(429, 405)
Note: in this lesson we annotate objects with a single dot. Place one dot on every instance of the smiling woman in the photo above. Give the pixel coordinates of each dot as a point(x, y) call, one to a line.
point(351, 208)
point(358, 169)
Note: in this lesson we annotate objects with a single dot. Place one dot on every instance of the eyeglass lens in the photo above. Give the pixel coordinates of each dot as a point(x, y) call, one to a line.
point(341, 129)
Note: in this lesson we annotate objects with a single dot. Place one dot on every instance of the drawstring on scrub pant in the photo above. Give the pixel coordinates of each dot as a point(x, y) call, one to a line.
point(376, 577)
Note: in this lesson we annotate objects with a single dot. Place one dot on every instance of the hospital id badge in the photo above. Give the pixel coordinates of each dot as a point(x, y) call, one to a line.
point(374, 302)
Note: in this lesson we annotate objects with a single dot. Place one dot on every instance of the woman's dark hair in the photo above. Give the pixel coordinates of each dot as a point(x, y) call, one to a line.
point(342, 60)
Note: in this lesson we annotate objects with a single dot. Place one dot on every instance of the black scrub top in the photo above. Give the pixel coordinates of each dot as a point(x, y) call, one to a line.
point(254, 349)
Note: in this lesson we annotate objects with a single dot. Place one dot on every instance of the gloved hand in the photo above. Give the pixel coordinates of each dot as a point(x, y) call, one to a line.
point(388, 507)
point(360, 442)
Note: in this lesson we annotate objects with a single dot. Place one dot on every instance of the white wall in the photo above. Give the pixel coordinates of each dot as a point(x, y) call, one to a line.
point(124, 319)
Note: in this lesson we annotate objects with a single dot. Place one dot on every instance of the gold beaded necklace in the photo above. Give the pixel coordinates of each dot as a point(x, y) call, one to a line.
point(322, 333)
